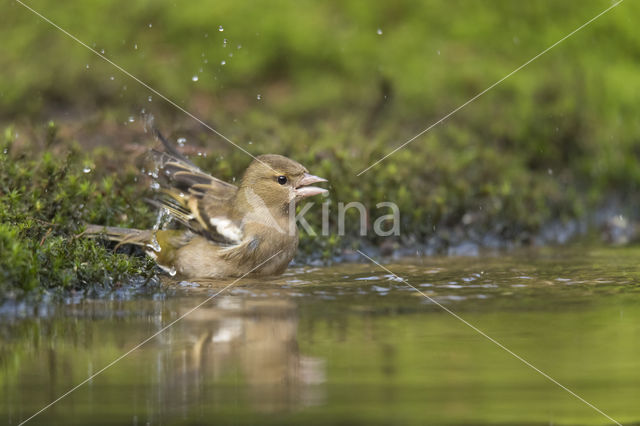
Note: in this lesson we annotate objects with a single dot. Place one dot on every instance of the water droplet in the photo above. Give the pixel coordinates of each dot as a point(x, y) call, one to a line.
point(194, 78)
point(220, 28)
point(550, 171)
point(172, 271)
point(206, 35)
point(131, 119)
point(160, 218)
point(250, 142)
point(150, 25)
point(379, 32)
point(182, 141)
point(87, 66)
point(154, 244)
point(223, 62)
point(224, 42)
point(258, 96)
point(438, 52)
point(239, 46)
point(102, 51)
point(135, 46)
point(111, 78)
point(86, 170)
point(150, 98)
point(231, 55)
point(206, 61)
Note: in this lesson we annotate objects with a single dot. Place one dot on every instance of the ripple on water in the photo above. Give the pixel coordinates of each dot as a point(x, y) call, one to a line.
point(322, 334)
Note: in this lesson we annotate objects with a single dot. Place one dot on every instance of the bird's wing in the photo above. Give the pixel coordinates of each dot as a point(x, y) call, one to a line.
point(242, 253)
point(195, 198)
point(186, 176)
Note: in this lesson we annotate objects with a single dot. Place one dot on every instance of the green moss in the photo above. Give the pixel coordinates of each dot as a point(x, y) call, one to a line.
point(18, 262)
point(45, 204)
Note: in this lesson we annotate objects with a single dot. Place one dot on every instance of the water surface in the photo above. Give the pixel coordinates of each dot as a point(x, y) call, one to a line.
point(344, 344)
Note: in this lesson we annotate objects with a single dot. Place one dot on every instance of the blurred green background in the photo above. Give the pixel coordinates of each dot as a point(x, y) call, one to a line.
point(549, 153)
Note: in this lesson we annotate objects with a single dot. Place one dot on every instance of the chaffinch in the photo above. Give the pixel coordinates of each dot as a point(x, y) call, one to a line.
point(227, 230)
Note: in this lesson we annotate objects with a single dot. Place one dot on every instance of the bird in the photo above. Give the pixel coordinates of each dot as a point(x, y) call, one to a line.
point(224, 230)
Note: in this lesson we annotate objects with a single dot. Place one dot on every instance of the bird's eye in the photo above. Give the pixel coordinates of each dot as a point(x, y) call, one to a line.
point(282, 180)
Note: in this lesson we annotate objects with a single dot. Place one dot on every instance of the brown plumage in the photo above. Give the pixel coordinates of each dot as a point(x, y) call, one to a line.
point(228, 230)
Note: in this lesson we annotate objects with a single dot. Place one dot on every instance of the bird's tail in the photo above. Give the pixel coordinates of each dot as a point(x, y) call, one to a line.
point(139, 237)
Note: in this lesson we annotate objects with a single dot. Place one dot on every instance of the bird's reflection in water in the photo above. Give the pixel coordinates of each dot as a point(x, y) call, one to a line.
point(238, 349)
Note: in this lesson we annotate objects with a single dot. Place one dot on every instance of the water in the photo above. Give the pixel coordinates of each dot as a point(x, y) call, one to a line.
point(346, 344)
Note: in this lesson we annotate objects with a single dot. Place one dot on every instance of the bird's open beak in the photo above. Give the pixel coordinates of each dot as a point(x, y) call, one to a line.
point(303, 191)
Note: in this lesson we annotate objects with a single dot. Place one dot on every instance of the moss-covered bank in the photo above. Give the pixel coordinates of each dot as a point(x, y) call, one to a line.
point(334, 85)
point(44, 205)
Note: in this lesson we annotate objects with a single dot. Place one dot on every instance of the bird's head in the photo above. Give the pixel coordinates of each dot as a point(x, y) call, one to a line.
point(278, 180)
